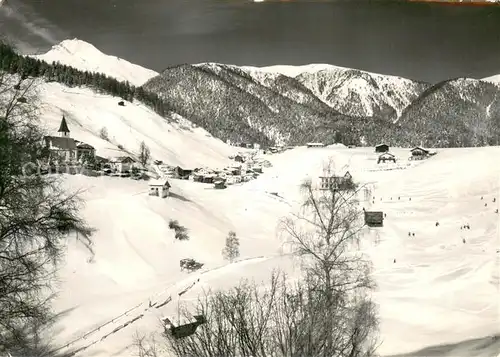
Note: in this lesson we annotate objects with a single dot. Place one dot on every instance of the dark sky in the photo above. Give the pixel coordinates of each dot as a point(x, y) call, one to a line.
point(423, 41)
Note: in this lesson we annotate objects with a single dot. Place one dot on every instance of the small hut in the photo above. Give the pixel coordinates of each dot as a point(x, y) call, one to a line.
point(382, 148)
point(374, 218)
point(159, 187)
point(220, 185)
point(184, 328)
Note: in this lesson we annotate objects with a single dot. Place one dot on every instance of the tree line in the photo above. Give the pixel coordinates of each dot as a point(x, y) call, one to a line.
point(14, 63)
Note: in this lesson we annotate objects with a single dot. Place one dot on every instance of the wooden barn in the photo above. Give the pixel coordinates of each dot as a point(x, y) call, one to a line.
point(386, 156)
point(418, 153)
point(181, 173)
point(374, 218)
point(382, 148)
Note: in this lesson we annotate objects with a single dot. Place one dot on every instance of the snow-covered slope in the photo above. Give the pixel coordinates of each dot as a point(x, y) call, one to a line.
point(86, 57)
point(351, 91)
point(174, 140)
point(437, 281)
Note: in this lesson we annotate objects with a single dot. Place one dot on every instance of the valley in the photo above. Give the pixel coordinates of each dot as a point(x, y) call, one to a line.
point(437, 282)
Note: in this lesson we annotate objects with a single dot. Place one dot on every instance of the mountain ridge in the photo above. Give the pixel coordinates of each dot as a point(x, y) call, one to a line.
point(320, 102)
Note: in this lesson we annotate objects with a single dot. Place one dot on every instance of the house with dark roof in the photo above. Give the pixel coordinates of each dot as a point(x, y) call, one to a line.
point(382, 148)
point(374, 218)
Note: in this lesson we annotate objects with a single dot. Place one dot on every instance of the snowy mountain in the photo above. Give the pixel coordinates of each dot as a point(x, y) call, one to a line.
point(349, 91)
point(318, 102)
point(492, 79)
point(322, 103)
point(85, 57)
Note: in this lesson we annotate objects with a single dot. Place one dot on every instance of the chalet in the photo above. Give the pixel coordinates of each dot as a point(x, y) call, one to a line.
point(315, 145)
point(382, 148)
point(181, 173)
point(122, 163)
point(386, 157)
point(374, 218)
point(159, 187)
point(419, 153)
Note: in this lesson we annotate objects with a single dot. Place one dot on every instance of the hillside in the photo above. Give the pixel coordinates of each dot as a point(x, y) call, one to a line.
point(422, 295)
point(248, 104)
point(230, 104)
point(170, 139)
point(320, 104)
point(85, 57)
point(454, 113)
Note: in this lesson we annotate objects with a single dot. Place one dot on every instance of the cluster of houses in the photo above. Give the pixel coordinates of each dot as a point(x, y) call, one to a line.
point(417, 153)
point(245, 169)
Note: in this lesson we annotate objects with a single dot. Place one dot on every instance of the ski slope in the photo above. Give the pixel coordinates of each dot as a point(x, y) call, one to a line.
point(436, 282)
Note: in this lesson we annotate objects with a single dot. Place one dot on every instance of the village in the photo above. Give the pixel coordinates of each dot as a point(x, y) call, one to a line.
point(247, 164)
point(66, 154)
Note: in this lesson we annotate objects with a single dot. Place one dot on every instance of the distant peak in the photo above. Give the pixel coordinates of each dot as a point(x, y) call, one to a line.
point(75, 45)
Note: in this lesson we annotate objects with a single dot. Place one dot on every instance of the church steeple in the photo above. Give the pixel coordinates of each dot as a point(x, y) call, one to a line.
point(63, 129)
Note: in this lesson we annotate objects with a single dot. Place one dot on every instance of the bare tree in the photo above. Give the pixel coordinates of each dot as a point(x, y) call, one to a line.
point(326, 312)
point(36, 216)
point(232, 249)
point(326, 235)
point(144, 154)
